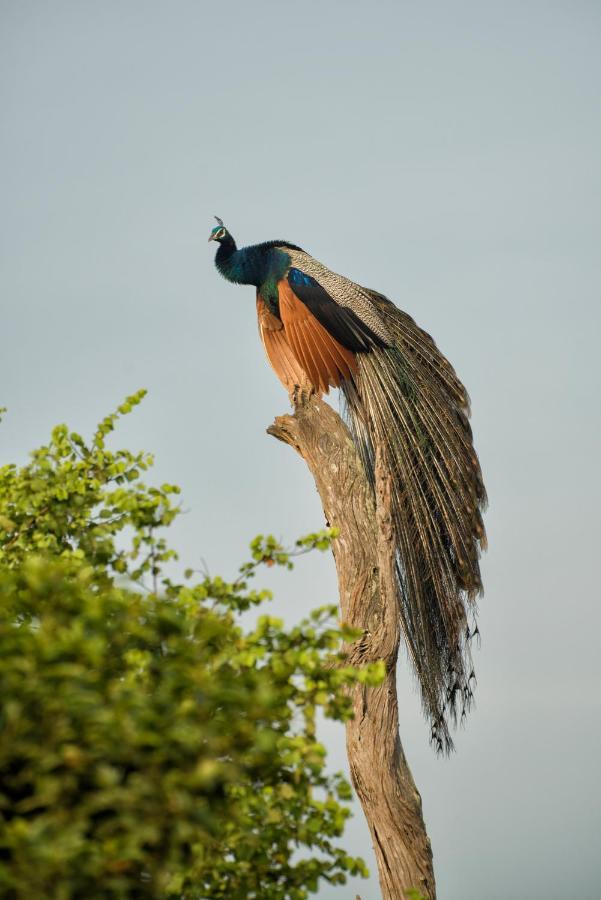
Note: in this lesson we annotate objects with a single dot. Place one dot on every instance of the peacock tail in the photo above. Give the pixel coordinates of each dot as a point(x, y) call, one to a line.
point(403, 402)
point(407, 401)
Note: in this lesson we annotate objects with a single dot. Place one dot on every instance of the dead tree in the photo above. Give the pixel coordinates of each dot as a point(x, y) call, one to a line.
point(364, 559)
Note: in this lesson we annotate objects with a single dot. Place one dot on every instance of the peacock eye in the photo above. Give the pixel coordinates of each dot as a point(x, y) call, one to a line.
point(221, 233)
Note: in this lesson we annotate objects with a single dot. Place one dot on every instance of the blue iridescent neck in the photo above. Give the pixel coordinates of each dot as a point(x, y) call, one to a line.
point(244, 266)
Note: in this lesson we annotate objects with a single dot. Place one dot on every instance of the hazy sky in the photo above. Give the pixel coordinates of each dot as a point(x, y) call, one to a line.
point(444, 153)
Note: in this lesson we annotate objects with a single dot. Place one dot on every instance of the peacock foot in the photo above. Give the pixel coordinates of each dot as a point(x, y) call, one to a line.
point(301, 394)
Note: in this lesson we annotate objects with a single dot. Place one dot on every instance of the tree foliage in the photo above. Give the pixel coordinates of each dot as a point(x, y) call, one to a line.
point(150, 745)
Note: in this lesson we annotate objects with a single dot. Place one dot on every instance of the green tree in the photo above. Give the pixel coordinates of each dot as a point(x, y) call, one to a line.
point(150, 746)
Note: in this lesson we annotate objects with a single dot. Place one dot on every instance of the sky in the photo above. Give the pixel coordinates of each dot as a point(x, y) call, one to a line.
point(446, 154)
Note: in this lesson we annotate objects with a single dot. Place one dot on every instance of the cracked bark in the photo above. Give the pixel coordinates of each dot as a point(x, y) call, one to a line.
point(365, 565)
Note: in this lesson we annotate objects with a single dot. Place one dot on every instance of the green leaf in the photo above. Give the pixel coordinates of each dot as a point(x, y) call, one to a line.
point(152, 735)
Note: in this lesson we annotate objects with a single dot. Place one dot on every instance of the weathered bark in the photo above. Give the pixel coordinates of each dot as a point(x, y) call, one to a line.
point(365, 565)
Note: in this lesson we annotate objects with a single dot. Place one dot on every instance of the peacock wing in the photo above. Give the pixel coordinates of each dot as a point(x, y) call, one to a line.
point(281, 357)
point(320, 352)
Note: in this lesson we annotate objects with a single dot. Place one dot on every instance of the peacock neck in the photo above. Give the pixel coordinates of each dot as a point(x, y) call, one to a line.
point(240, 266)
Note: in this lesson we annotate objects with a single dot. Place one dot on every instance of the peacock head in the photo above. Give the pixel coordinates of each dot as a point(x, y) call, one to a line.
point(220, 232)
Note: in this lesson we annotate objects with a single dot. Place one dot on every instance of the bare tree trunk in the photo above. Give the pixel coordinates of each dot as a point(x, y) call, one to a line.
point(365, 565)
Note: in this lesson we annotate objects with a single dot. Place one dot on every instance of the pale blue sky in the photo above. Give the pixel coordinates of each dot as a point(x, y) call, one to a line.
point(446, 154)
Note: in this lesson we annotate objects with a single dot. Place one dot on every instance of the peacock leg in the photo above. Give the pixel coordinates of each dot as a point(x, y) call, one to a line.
point(301, 394)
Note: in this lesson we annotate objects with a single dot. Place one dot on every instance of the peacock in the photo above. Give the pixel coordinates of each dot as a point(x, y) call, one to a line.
point(404, 401)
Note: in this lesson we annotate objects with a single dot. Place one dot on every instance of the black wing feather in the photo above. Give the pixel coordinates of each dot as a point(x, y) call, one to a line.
point(340, 321)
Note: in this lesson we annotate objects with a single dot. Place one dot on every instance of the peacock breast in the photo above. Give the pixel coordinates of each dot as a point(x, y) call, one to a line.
point(269, 292)
point(278, 265)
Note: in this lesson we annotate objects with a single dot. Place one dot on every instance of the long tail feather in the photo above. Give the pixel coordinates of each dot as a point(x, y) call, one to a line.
point(407, 400)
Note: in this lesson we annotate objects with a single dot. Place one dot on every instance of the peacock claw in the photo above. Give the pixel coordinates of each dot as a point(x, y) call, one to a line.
point(301, 394)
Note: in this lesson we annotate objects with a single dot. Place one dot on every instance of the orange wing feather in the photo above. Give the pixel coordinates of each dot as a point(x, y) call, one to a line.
point(323, 358)
point(299, 348)
point(279, 353)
